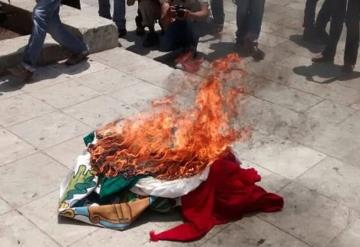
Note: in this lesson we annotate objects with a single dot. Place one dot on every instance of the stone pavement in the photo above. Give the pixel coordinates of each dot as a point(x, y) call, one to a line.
point(305, 142)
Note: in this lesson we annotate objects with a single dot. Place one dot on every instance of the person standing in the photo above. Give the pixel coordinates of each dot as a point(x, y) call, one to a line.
point(118, 15)
point(340, 11)
point(249, 15)
point(46, 19)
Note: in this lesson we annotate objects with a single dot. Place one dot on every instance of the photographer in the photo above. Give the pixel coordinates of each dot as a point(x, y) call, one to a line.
point(179, 19)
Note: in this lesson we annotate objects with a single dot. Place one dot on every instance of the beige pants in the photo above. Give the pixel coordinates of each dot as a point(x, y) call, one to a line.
point(150, 11)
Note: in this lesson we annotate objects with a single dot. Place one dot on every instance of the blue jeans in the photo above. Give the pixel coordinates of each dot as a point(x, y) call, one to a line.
point(180, 34)
point(46, 20)
point(118, 15)
point(249, 15)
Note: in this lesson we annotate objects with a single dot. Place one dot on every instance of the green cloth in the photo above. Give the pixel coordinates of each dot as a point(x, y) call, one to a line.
point(89, 138)
point(115, 185)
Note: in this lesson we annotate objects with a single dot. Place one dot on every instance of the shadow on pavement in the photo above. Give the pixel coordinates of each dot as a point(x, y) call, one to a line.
point(329, 72)
point(312, 47)
point(10, 83)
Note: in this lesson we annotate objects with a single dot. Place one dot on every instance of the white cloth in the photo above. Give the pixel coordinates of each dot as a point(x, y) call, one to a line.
point(169, 189)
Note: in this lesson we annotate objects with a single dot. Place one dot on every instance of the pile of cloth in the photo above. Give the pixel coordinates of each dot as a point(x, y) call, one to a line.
point(220, 193)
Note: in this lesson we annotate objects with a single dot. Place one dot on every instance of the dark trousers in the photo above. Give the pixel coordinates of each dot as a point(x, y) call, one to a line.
point(338, 16)
point(249, 15)
point(72, 3)
point(217, 10)
point(352, 36)
point(322, 19)
point(180, 34)
point(338, 13)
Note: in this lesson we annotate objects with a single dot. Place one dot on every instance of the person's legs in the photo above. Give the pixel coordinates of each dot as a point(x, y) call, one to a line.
point(139, 26)
point(150, 12)
point(58, 31)
point(42, 13)
point(309, 14)
point(323, 17)
point(338, 11)
point(253, 28)
point(217, 10)
point(104, 8)
point(256, 13)
point(119, 16)
point(172, 38)
point(242, 11)
point(352, 37)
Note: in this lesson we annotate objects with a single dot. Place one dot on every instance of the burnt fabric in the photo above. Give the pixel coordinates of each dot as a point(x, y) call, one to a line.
point(228, 194)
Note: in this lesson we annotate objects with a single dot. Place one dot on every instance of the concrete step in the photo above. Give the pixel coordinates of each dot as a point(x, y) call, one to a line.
point(98, 33)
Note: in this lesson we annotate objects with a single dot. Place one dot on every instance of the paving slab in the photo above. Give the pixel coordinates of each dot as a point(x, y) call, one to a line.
point(64, 232)
point(67, 152)
point(4, 207)
point(12, 147)
point(16, 230)
point(305, 146)
point(64, 94)
point(252, 231)
point(49, 130)
point(100, 111)
point(20, 108)
point(336, 180)
point(278, 155)
point(309, 216)
point(30, 178)
point(350, 237)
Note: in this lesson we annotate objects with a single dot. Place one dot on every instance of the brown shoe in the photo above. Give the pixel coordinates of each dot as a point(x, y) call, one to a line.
point(21, 73)
point(254, 51)
point(77, 58)
point(322, 59)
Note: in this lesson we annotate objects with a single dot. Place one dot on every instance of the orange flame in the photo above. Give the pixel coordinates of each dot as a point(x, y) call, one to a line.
point(169, 143)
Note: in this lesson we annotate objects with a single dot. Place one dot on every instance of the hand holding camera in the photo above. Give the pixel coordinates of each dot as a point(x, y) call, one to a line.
point(179, 12)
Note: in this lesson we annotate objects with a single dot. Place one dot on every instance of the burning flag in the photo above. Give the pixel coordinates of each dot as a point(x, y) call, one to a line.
point(170, 153)
point(170, 143)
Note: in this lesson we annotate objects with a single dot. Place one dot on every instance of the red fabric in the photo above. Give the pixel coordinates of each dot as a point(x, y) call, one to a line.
point(228, 194)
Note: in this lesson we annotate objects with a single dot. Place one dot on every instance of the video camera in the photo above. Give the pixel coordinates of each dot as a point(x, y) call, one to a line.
point(179, 10)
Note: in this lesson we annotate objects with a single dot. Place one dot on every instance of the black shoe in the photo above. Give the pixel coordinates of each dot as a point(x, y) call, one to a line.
point(322, 59)
point(77, 58)
point(122, 32)
point(254, 51)
point(348, 68)
point(151, 39)
point(21, 72)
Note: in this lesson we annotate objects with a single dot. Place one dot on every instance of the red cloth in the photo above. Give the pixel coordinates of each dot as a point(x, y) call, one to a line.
point(228, 194)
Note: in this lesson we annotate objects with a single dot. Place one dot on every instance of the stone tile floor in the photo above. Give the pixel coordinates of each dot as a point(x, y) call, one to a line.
point(305, 144)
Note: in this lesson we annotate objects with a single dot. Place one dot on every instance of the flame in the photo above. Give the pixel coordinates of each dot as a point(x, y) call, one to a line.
point(170, 143)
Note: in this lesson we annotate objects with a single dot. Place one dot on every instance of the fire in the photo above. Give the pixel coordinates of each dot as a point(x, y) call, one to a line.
point(168, 142)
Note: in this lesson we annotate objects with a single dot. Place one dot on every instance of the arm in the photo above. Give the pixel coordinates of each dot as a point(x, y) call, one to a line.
point(198, 15)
